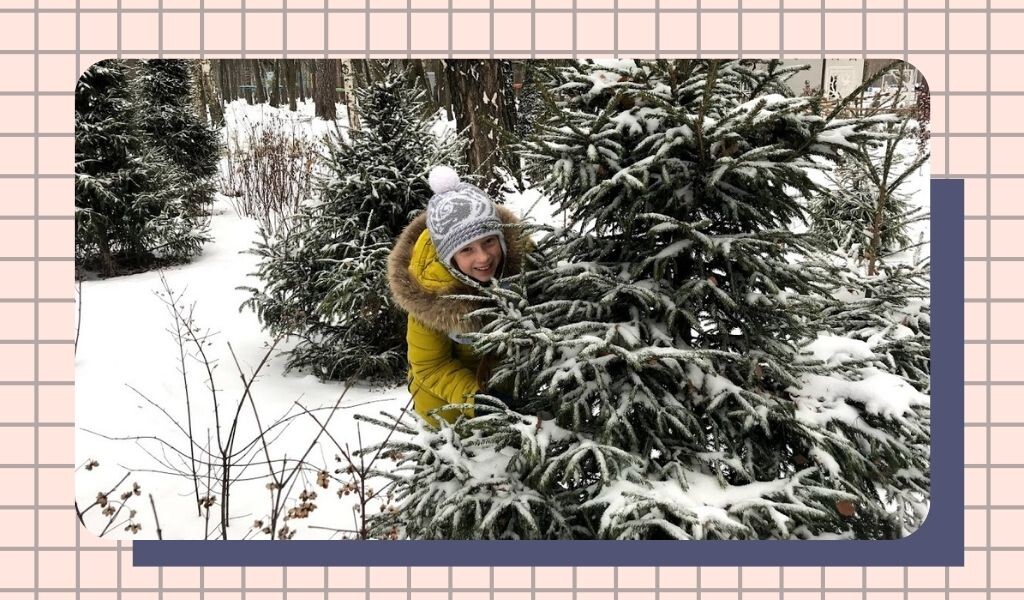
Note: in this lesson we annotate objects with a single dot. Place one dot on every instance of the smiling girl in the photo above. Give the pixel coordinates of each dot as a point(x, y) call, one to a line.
point(461, 235)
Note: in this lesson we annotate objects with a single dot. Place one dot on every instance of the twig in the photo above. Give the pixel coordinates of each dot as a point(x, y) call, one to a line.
point(247, 394)
point(206, 524)
point(172, 306)
point(323, 427)
point(78, 323)
point(375, 401)
point(363, 470)
point(113, 517)
point(156, 518)
point(81, 513)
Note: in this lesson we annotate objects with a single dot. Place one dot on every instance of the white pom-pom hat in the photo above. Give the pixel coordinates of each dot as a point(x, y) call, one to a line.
point(443, 179)
point(458, 214)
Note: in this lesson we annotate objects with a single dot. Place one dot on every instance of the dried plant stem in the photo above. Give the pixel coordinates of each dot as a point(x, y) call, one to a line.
point(362, 472)
point(179, 320)
point(81, 513)
point(156, 519)
point(271, 171)
point(78, 322)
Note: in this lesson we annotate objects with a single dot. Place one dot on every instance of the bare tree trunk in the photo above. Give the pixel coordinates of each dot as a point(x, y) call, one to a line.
point(323, 90)
point(290, 84)
point(106, 256)
point(198, 94)
point(350, 95)
point(244, 74)
point(875, 245)
point(206, 93)
point(478, 100)
point(216, 85)
point(275, 85)
point(238, 79)
point(444, 96)
point(423, 81)
point(218, 76)
point(301, 74)
point(225, 81)
point(259, 91)
point(361, 72)
point(214, 101)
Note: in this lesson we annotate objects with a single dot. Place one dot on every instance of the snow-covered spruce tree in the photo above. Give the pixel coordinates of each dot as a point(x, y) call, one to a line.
point(324, 274)
point(867, 214)
point(164, 89)
point(665, 334)
point(129, 212)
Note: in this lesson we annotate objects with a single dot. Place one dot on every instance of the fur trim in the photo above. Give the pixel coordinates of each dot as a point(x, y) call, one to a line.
point(438, 309)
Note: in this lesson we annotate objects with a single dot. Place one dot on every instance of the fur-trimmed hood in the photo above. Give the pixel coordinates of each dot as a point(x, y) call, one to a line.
point(423, 286)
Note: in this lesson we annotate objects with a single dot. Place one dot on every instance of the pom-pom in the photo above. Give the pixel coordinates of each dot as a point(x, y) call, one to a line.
point(443, 179)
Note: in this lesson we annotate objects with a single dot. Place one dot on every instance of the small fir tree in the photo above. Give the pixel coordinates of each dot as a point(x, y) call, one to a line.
point(165, 90)
point(669, 331)
point(130, 213)
point(867, 215)
point(325, 274)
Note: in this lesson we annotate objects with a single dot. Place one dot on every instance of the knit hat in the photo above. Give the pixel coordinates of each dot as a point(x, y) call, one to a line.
point(459, 213)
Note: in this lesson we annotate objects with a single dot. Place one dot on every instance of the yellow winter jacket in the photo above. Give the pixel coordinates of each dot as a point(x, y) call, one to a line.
point(441, 370)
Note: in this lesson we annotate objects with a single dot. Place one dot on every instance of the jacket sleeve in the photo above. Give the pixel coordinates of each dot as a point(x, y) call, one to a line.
point(434, 366)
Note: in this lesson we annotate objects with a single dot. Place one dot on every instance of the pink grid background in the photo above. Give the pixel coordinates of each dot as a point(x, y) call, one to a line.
point(970, 50)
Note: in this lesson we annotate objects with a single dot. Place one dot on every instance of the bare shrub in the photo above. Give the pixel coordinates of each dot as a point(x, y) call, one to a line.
point(215, 460)
point(271, 163)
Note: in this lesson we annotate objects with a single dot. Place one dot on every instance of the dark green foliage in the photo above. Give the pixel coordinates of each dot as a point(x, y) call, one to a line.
point(499, 494)
point(866, 215)
point(865, 209)
point(529, 100)
point(890, 312)
point(164, 89)
point(130, 211)
point(325, 272)
point(664, 329)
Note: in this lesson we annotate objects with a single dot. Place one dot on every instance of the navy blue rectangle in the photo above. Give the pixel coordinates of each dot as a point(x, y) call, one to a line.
point(939, 541)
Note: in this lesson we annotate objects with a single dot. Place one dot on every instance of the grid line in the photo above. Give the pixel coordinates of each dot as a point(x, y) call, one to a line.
point(988, 294)
point(564, 52)
point(35, 316)
point(539, 10)
point(78, 69)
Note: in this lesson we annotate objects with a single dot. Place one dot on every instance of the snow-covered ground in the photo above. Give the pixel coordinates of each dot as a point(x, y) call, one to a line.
point(125, 343)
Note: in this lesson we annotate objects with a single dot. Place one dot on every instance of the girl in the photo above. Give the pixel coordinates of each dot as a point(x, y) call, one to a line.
point(459, 236)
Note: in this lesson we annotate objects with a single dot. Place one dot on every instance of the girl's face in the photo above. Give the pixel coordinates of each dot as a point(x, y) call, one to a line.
point(480, 259)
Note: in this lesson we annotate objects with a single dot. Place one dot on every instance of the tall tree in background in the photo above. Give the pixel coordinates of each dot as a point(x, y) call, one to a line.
point(209, 102)
point(325, 277)
point(275, 82)
point(349, 80)
point(484, 107)
point(291, 83)
point(301, 70)
point(163, 89)
point(232, 76)
point(130, 212)
point(324, 96)
point(867, 215)
point(258, 81)
point(668, 330)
